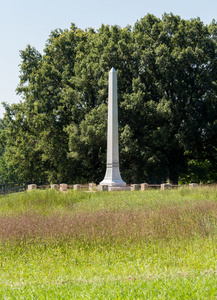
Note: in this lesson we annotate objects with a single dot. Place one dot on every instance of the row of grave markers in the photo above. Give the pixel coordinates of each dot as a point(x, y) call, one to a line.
point(93, 187)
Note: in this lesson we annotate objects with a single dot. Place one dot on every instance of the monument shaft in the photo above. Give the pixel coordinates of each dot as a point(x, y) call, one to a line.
point(112, 176)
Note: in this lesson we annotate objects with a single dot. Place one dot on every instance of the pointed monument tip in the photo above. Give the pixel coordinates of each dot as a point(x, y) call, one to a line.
point(112, 70)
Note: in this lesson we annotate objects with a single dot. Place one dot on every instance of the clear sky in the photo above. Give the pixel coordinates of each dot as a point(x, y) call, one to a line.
point(25, 22)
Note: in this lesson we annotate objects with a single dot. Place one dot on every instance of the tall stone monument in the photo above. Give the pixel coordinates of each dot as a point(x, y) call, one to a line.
point(112, 176)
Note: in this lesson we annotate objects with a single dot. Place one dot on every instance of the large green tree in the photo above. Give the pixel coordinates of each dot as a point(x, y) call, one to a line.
point(167, 87)
point(174, 98)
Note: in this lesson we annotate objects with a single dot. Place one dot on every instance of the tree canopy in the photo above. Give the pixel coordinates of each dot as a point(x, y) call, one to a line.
point(167, 94)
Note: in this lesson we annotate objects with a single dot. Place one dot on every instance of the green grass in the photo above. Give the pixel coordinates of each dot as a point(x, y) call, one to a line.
point(109, 245)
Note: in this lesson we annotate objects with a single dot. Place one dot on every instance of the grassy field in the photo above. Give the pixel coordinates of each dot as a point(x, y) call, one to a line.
point(109, 245)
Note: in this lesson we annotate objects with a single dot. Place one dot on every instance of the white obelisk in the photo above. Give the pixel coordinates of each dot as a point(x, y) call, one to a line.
point(112, 176)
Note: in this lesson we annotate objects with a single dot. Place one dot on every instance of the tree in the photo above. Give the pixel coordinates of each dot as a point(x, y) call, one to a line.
point(167, 87)
point(177, 77)
point(6, 174)
point(36, 141)
point(87, 144)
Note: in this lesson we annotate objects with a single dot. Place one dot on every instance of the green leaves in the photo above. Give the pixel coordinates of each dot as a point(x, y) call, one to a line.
point(167, 75)
point(87, 143)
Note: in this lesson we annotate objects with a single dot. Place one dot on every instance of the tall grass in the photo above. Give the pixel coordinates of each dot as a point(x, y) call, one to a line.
point(113, 227)
point(110, 245)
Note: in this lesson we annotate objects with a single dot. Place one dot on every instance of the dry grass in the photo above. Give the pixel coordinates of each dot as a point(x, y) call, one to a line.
point(167, 222)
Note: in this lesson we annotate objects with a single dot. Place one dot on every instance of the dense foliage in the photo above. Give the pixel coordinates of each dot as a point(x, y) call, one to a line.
point(167, 93)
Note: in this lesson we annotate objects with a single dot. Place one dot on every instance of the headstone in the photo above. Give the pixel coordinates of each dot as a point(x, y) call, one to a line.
point(54, 187)
point(63, 187)
point(112, 176)
point(77, 187)
point(32, 187)
point(165, 186)
point(135, 187)
point(92, 186)
point(144, 186)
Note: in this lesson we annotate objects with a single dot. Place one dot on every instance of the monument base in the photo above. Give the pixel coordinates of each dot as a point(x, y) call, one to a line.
point(118, 188)
point(114, 183)
point(113, 176)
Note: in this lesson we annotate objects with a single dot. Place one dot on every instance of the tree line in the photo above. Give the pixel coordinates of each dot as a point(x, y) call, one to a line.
point(167, 94)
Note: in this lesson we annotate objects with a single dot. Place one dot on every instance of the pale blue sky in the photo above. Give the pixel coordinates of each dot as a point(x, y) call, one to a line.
point(25, 22)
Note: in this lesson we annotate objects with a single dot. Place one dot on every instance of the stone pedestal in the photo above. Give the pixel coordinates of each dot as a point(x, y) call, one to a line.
point(32, 187)
point(135, 187)
point(77, 187)
point(63, 187)
point(54, 187)
point(112, 176)
point(165, 186)
point(144, 186)
point(92, 186)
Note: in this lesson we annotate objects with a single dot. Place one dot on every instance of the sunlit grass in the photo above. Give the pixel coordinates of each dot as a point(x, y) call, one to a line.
point(120, 245)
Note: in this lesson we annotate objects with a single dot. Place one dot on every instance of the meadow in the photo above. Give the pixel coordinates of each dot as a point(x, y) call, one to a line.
point(109, 245)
